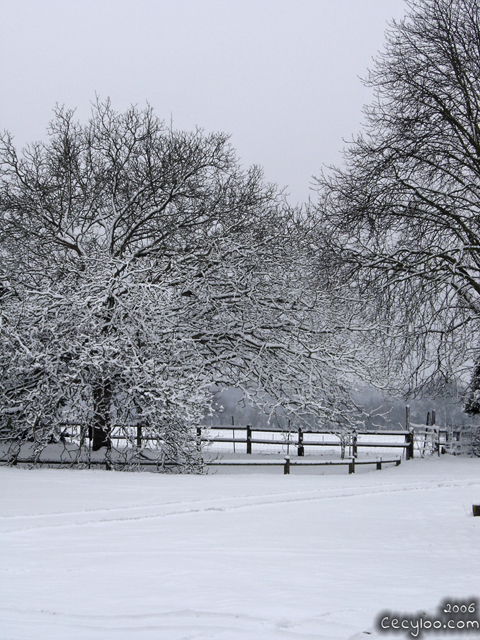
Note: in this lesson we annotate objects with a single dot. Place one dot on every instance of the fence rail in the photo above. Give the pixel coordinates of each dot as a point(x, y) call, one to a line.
point(288, 463)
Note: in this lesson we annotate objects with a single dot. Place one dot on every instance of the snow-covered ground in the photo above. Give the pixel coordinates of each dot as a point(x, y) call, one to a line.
point(96, 555)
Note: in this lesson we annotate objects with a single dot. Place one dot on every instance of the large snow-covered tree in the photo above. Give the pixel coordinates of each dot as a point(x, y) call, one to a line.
point(402, 214)
point(141, 266)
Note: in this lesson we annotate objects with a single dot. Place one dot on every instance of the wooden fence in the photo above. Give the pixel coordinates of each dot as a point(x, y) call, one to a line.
point(418, 440)
point(461, 440)
point(348, 444)
point(75, 442)
point(431, 438)
point(415, 441)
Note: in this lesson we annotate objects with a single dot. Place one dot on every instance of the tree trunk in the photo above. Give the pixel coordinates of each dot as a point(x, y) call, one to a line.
point(102, 395)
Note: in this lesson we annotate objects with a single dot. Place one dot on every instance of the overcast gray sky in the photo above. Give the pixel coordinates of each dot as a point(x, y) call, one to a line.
point(281, 76)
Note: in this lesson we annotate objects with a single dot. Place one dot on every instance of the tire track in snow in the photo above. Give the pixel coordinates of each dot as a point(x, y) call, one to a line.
point(194, 622)
point(223, 504)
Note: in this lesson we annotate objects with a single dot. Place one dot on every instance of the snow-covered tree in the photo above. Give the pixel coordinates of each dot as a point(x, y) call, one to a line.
point(142, 265)
point(402, 215)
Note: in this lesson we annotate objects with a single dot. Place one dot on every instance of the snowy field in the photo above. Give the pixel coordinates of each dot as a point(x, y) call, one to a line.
point(96, 555)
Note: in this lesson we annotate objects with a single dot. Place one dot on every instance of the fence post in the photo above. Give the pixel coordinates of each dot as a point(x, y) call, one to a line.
point(139, 436)
point(199, 438)
point(436, 431)
point(286, 467)
point(409, 441)
point(90, 439)
point(379, 465)
point(233, 430)
point(351, 466)
point(249, 439)
point(300, 447)
point(354, 443)
point(108, 459)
